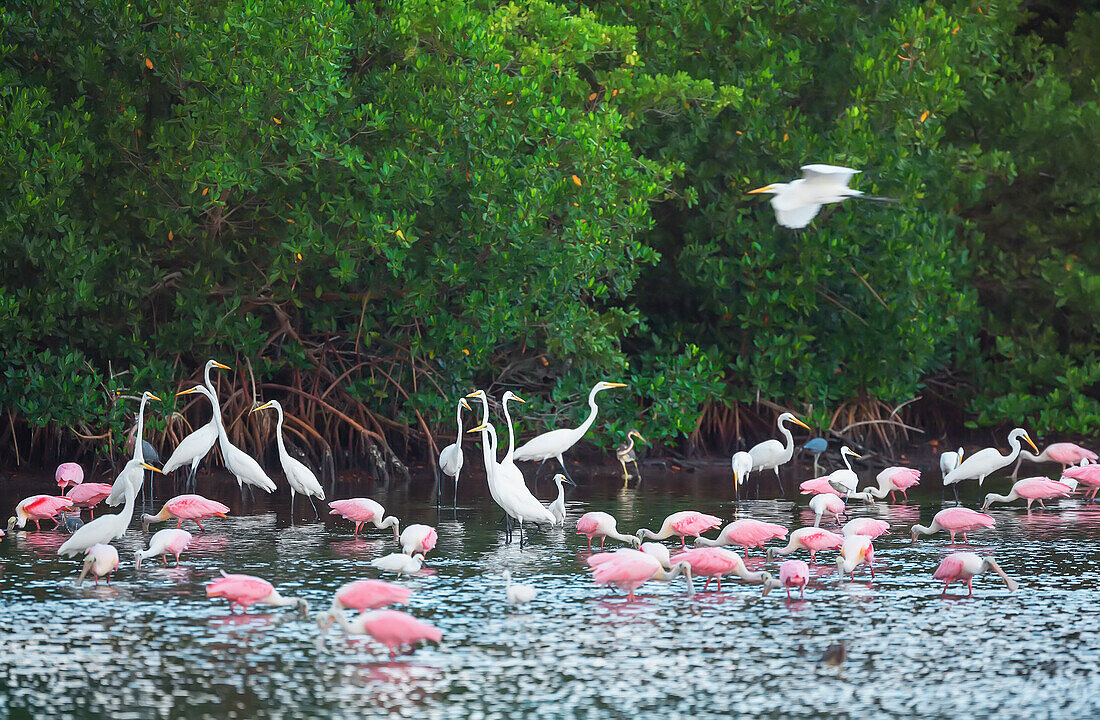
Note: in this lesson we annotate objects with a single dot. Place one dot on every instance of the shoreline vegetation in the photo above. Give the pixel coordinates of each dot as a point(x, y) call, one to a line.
point(368, 210)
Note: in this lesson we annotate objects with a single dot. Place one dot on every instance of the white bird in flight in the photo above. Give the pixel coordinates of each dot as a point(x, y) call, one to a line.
point(797, 203)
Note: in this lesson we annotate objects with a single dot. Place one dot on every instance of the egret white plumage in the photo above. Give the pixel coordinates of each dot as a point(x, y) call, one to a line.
point(517, 593)
point(136, 478)
point(844, 480)
point(399, 563)
point(742, 466)
point(450, 457)
point(987, 461)
point(557, 508)
point(770, 454)
point(106, 528)
point(798, 202)
point(300, 478)
point(555, 443)
point(196, 446)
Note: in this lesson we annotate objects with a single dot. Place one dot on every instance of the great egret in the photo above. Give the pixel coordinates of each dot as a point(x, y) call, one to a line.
point(557, 508)
point(300, 478)
point(489, 456)
point(516, 593)
point(450, 457)
point(136, 478)
point(950, 460)
point(742, 466)
point(193, 448)
point(100, 560)
point(625, 454)
point(987, 461)
point(237, 461)
point(106, 528)
point(555, 443)
point(797, 203)
point(170, 541)
point(770, 454)
point(246, 590)
point(964, 566)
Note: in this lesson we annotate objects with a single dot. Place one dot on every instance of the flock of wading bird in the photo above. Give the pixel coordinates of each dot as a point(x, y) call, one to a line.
point(627, 568)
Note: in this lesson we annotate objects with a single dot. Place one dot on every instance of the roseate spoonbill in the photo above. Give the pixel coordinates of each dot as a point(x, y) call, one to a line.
point(555, 443)
point(813, 540)
point(601, 525)
point(815, 447)
point(714, 562)
point(1065, 453)
point(515, 593)
point(196, 446)
point(1031, 489)
point(247, 590)
point(770, 454)
point(855, 551)
point(399, 563)
point(88, 495)
point(987, 461)
point(963, 566)
point(954, 520)
point(796, 203)
point(450, 458)
point(298, 476)
point(242, 465)
point(869, 527)
point(817, 486)
point(186, 507)
point(745, 533)
point(794, 574)
point(659, 551)
point(37, 508)
point(170, 541)
point(629, 569)
point(361, 595)
point(895, 479)
point(394, 629)
point(136, 476)
point(1088, 475)
point(682, 524)
point(824, 503)
point(557, 508)
point(99, 560)
point(418, 539)
point(741, 463)
point(69, 474)
point(106, 528)
point(364, 510)
point(625, 453)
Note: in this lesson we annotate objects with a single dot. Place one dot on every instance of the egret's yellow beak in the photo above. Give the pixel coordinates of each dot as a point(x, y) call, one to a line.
point(147, 466)
point(185, 392)
point(223, 367)
point(799, 422)
point(479, 428)
point(857, 455)
point(517, 398)
point(1029, 442)
point(465, 404)
point(154, 397)
point(757, 191)
point(617, 385)
point(476, 393)
point(261, 407)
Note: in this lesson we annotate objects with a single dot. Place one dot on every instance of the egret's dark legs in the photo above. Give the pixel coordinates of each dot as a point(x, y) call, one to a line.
point(292, 493)
point(454, 499)
point(438, 488)
point(535, 481)
point(955, 487)
point(782, 492)
point(564, 470)
point(316, 515)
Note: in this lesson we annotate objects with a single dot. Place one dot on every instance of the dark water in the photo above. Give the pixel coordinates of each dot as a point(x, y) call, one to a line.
point(152, 646)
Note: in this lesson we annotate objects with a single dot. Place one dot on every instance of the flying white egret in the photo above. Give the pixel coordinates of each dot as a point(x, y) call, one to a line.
point(553, 444)
point(450, 457)
point(193, 448)
point(106, 528)
point(137, 475)
point(557, 508)
point(987, 461)
point(770, 454)
point(742, 466)
point(237, 461)
point(797, 203)
point(300, 478)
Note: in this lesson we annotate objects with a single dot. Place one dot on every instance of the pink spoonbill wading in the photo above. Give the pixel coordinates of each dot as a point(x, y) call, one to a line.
point(246, 590)
point(895, 479)
point(170, 541)
point(956, 520)
point(37, 508)
point(628, 569)
point(964, 566)
point(714, 562)
point(364, 510)
point(186, 507)
point(1087, 475)
point(825, 503)
point(418, 539)
point(686, 523)
point(88, 495)
point(601, 525)
point(794, 574)
point(1066, 454)
point(745, 533)
point(100, 560)
point(394, 629)
point(1034, 489)
point(362, 595)
point(69, 474)
point(869, 527)
point(813, 540)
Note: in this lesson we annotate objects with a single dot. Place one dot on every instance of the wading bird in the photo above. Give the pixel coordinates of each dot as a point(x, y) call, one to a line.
point(186, 507)
point(855, 551)
point(629, 569)
point(625, 454)
point(815, 447)
point(1035, 489)
point(827, 503)
point(557, 508)
point(364, 510)
point(170, 541)
point(37, 508)
point(964, 566)
point(99, 561)
point(418, 539)
point(844, 480)
point(869, 527)
point(69, 474)
point(88, 495)
point(687, 523)
point(715, 562)
point(745, 533)
point(394, 629)
point(300, 478)
point(450, 458)
point(1065, 453)
point(399, 563)
point(741, 463)
point(196, 446)
point(770, 454)
point(794, 574)
point(361, 595)
point(949, 461)
point(133, 472)
point(489, 457)
point(895, 479)
point(796, 203)
point(813, 540)
point(515, 593)
point(246, 590)
point(106, 528)
point(555, 443)
point(987, 461)
point(956, 520)
point(242, 465)
point(600, 524)
point(1087, 475)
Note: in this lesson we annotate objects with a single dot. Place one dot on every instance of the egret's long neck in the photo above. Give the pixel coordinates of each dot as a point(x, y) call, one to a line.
point(489, 449)
point(139, 451)
point(583, 428)
point(511, 433)
point(223, 438)
point(789, 449)
point(279, 433)
point(458, 418)
point(847, 462)
point(561, 492)
point(1014, 443)
point(127, 513)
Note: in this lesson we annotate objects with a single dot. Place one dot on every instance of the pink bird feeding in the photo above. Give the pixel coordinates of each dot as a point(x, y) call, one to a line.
point(869, 527)
point(362, 595)
point(418, 539)
point(857, 550)
point(601, 525)
point(794, 574)
point(714, 562)
point(1088, 475)
point(364, 510)
point(813, 540)
point(686, 523)
point(247, 590)
point(187, 507)
point(745, 533)
point(1066, 453)
point(964, 566)
point(955, 520)
point(1033, 489)
point(629, 569)
point(818, 486)
point(89, 495)
point(394, 629)
point(895, 479)
point(170, 541)
point(825, 503)
point(37, 508)
point(69, 475)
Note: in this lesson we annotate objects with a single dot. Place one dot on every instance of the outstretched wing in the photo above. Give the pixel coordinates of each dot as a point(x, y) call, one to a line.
point(828, 174)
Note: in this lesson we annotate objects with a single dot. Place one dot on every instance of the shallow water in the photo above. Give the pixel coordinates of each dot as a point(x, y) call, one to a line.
point(151, 645)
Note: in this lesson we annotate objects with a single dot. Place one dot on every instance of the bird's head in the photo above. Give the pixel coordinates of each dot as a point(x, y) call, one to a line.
point(216, 364)
point(137, 559)
point(150, 396)
point(607, 386)
point(419, 557)
point(509, 395)
point(634, 433)
point(189, 391)
point(479, 394)
point(769, 583)
point(559, 479)
point(11, 523)
point(265, 406)
point(768, 189)
point(464, 404)
point(770, 555)
point(480, 428)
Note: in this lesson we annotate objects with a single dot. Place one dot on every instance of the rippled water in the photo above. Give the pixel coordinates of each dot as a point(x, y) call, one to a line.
point(152, 646)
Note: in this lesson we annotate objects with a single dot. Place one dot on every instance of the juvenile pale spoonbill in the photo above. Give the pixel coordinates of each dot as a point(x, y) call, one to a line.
point(826, 503)
point(516, 593)
point(399, 563)
point(857, 550)
point(1066, 454)
point(418, 539)
point(963, 566)
point(170, 541)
